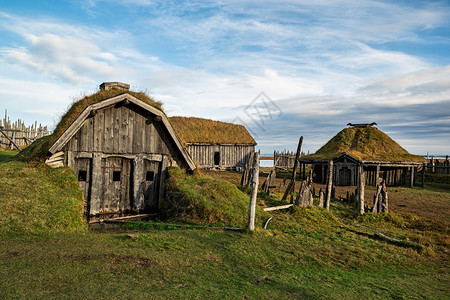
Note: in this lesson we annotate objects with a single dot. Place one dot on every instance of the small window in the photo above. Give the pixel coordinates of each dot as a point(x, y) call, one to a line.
point(149, 175)
point(216, 158)
point(82, 175)
point(116, 175)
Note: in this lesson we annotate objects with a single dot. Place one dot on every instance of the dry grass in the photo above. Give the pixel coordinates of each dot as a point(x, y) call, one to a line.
point(366, 144)
point(198, 130)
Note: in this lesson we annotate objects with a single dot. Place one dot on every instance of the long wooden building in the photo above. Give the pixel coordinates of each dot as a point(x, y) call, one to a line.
point(119, 144)
point(214, 144)
point(363, 144)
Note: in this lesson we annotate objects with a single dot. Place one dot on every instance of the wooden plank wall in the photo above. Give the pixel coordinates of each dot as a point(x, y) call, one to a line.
point(120, 130)
point(231, 156)
point(21, 134)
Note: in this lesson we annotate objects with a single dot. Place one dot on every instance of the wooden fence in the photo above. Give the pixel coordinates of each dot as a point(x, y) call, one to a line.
point(285, 159)
point(17, 135)
point(438, 165)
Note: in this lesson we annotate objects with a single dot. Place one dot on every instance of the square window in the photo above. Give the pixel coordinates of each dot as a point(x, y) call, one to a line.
point(149, 175)
point(82, 175)
point(116, 175)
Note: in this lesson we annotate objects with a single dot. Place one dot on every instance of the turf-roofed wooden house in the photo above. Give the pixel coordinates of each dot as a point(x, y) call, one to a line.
point(119, 144)
point(214, 144)
point(362, 144)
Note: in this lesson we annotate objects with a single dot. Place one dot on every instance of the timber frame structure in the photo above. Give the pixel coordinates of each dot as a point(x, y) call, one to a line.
point(346, 171)
point(214, 144)
point(120, 149)
point(363, 147)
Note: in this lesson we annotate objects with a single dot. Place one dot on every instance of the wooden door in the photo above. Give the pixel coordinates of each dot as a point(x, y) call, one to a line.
point(344, 176)
point(82, 170)
point(151, 176)
point(116, 189)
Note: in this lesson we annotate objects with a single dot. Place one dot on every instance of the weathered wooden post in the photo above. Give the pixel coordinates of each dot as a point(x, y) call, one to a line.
point(255, 182)
point(385, 203)
point(361, 190)
point(411, 184)
point(329, 184)
point(294, 171)
point(377, 175)
point(423, 174)
point(320, 198)
point(376, 199)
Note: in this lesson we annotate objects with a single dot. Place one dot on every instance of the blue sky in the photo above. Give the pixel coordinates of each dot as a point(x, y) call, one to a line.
point(320, 64)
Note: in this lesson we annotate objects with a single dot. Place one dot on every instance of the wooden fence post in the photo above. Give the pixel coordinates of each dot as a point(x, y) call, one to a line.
point(361, 190)
point(294, 171)
point(320, 198)
point(255, 182)
point(329, 184)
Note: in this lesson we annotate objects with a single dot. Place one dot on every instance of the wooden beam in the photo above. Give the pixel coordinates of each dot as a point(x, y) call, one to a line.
point(294, 171)
point(278, 207)
point(9, 139)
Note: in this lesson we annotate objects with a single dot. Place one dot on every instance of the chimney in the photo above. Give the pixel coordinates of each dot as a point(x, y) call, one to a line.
point(106, 86)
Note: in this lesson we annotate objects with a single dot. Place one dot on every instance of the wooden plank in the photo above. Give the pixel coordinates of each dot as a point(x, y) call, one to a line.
point(96, 183)
point(99, 120)
point(278, 207)
point(116, 126)
point(107, 136)
point(123, 130)
point(139, 216)
point(137, 133)
point(131, 120)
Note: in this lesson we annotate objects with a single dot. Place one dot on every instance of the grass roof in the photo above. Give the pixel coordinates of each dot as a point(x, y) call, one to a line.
point(365, 144)
point(39, 149)
point(198, 130)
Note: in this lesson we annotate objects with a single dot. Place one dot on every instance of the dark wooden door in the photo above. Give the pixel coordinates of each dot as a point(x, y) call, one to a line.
point(82, 170)
point(152, 171)
point(116, 189)
point(344, 176)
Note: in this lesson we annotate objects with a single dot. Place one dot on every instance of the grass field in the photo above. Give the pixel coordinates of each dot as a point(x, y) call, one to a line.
point(304, 253)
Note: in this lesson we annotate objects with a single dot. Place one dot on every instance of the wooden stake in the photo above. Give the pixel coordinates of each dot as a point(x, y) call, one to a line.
point(329, 185)
point(361, 191)
point(423, 174)
point(294, 171)
point(320, 198)
point(255, 182)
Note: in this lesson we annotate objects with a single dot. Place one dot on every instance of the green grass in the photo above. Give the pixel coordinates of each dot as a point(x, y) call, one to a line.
point(36, 198)
point(198, 264)
point(306, 253)
point(199, 199)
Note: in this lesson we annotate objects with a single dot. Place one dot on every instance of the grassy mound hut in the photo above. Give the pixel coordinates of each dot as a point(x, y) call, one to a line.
point(214, 144)
point(380, 156)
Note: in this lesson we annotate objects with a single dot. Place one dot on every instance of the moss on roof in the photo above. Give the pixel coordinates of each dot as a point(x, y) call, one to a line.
point(365, 144)
point(198, 130)
point(39, 149)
